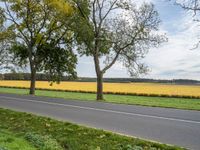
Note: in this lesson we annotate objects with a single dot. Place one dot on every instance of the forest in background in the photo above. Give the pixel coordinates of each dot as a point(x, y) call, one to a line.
point(44, 77)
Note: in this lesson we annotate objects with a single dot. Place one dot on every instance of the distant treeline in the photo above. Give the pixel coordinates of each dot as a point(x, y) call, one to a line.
point(140, 80)
point(44, 77)
point(27, 76)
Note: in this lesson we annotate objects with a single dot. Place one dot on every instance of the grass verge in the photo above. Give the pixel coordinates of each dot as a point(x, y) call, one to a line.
point(178, 103)
point(10, 141)
point(41, 131)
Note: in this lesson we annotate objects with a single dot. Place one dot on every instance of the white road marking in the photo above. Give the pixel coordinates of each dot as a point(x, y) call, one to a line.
point(102, 110)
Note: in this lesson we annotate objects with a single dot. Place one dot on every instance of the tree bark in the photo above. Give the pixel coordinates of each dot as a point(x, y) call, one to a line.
point(100, 87)
point(99, 75)
point(33, 80)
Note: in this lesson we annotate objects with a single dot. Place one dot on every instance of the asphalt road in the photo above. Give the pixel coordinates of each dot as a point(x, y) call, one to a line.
point(171, 126)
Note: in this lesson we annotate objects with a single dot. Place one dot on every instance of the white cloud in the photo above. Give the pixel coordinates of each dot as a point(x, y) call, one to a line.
point(175, 59)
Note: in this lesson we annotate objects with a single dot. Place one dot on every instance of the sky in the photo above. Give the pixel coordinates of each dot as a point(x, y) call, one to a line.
point(172, 60)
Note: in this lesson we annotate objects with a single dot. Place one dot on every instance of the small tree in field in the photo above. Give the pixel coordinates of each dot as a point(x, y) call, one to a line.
point(117, 30)
point(42, 38)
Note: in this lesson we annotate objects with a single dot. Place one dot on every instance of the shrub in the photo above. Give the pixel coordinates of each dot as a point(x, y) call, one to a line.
point(43, 142)
point(3, 148)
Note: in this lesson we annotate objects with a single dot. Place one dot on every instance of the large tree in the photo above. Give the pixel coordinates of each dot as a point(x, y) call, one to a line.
point(42, 38)
point(117, 30)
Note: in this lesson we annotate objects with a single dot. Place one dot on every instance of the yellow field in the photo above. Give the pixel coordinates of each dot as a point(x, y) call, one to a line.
point(139, 88)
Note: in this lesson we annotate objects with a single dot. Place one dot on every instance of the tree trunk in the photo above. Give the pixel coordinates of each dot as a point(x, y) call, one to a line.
point(100, 87)
point(33, 79)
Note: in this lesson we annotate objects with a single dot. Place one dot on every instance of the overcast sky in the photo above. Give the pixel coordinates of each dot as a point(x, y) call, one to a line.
point(174, 59)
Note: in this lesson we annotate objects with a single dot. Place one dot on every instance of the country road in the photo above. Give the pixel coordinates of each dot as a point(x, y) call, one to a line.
point(171, 126)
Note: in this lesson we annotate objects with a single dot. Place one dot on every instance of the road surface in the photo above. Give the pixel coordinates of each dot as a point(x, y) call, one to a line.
point(170, 126)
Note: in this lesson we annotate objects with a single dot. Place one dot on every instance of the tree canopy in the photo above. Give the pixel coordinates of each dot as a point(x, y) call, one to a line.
point(42, 36)
point(46, 32)
point(118, 30)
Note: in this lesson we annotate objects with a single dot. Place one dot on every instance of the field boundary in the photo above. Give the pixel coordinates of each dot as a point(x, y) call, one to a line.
point(111, 93)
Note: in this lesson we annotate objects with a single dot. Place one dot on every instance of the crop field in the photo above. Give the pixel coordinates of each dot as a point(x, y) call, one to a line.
point(150, 89)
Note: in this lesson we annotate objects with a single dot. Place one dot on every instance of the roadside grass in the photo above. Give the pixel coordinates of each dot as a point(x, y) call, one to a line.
point(178, 103)
point(67, 136)
point(10, 141)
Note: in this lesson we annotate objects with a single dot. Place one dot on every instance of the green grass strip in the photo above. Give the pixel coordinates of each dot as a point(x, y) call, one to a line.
point(70, 136)
point(10, 141)
point(178, 103)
